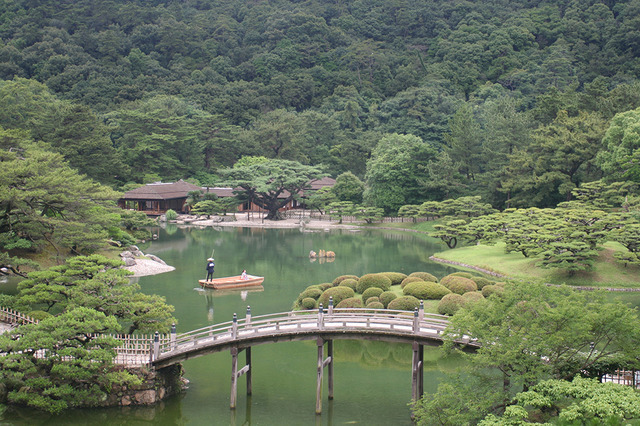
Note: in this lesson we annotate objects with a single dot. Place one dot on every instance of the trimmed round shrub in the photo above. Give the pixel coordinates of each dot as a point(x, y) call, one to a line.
point(450, 304)
point(404, 303)
point(313, 292)
point(325, 286)
point(460, 285)
point(481, 282)
point(425, 276)
point(371, 299)
point(423, 290)
point(462, 274)
point(171, 214)
point(338, 293)
point(410, 280)
point(386, 297)
point(341, 278)
point(375, 305)
point(395, 277)
point(373, 280)
point(308, 303)
point(350, 302)
point(472, 297)
point(370, 292)
point(488, 290)
point(349, 282)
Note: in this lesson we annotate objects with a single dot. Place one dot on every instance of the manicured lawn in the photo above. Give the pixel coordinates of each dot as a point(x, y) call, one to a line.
point(605, 273)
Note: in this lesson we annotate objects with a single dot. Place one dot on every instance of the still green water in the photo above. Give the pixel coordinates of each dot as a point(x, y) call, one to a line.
point(372, 383)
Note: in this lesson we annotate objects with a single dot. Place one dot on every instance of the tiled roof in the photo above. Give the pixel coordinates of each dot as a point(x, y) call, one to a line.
point(321, 183)
point(161, 191)
point(220, 192)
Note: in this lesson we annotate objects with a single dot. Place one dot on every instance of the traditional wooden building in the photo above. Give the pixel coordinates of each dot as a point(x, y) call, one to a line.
point(156, 198)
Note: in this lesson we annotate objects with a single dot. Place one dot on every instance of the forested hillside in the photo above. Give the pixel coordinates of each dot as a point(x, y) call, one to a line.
point(426, 100)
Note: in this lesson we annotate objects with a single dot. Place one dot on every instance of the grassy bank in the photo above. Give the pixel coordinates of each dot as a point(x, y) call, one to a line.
point(606, 271)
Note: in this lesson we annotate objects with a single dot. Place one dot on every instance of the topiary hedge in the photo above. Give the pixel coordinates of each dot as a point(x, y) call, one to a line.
point(425, 276)
point(350, 302)
point(308, 303)
point(472, 297)
point(325, 286)
point(313, 292)
point(370, 292)
point(371, 299)
point(375, 305)
point(341, 278)
point(349, 282)
point(462, 274)
point(488, 290)
point(423, 290)
point(373, 280)
point(404, 303)
point(481, 282)
point(338, 293)
point(450, 304)
point(395, 277)
point(386, 297)
point(410, 280)
point(460, 285)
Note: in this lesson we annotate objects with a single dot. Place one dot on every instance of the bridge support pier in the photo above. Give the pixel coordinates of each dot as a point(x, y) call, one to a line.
point(235, 374)
point(322, 363)
point(417, 372)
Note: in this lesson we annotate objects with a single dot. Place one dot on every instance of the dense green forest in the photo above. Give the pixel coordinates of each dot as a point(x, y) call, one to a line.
point(517, 101)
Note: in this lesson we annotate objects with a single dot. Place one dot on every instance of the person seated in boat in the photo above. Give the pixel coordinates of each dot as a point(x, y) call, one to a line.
point(244, 276)
point(210, 268)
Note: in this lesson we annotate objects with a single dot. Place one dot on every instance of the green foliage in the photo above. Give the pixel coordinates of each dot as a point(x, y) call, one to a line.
point(459, 285)
point(369, 300)
point(472, 297)
point(403, 303)
point(308, 303)
point(425, 276)
point(425, 290)
point(349, 282)
point(313, 292)
point(341, 278)
point(350, 302)
point(450, 304)
point(410, 279)
point(171, 214)
point(373, 280)
point(85, 376)
point(338, 293)
point(367, 213)
point(386, 297)
point(395, 277)
point(348, 187)
point(488, 290)
point(371, 292)
point(481, 282)
point(375, 305)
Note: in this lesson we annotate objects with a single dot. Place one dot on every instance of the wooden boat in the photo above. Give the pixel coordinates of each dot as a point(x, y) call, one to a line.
point(232, 282)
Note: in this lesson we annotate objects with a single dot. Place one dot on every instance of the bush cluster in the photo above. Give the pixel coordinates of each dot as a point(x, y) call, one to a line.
point(386, 298)
point(481, 282)
point(375, 305)
point(458, 284)
point(450, 304)
point(472, 297)
point(404, 303)
point(349, 282)
point(370, 299)
point(410, 280)
point(312, 292)
point(308, 303)
point(370, 292)
point(423, 290)
point(488, 290)
point(425, 276)
point(373, 280)
point(395, 277)
point(350, 302)
point(341, 278)
point(338, 293)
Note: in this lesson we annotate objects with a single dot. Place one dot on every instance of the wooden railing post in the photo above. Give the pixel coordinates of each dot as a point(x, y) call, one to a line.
point(421, 311)
point(156, 345)
point(320, 317)
point(416, 321)
point(234, 327)
point(248, 317)
point(173, 336)
point(330, 305)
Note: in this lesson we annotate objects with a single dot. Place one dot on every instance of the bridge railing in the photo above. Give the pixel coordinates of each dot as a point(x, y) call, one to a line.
point(10, 316)
point(298, 321)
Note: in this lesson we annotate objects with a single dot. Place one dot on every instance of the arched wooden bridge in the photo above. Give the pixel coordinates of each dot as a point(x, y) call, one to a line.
point(322, 325)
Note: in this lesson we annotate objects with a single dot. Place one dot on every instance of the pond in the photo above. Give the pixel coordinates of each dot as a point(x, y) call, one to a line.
point(372, 379)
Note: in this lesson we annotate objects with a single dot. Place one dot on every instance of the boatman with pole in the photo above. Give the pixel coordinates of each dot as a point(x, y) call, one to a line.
point(210, 266)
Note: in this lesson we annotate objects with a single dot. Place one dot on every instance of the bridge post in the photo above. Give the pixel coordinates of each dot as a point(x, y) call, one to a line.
point(416, 321)
point(330, 305)
point(234, 378)
point(234, 327)
point(421, 310)
point(248, 362)
point(320, 317)
point(173, 336)
point(330, 357)
point(248, 316)
point(320, 344)
point(417, 372)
